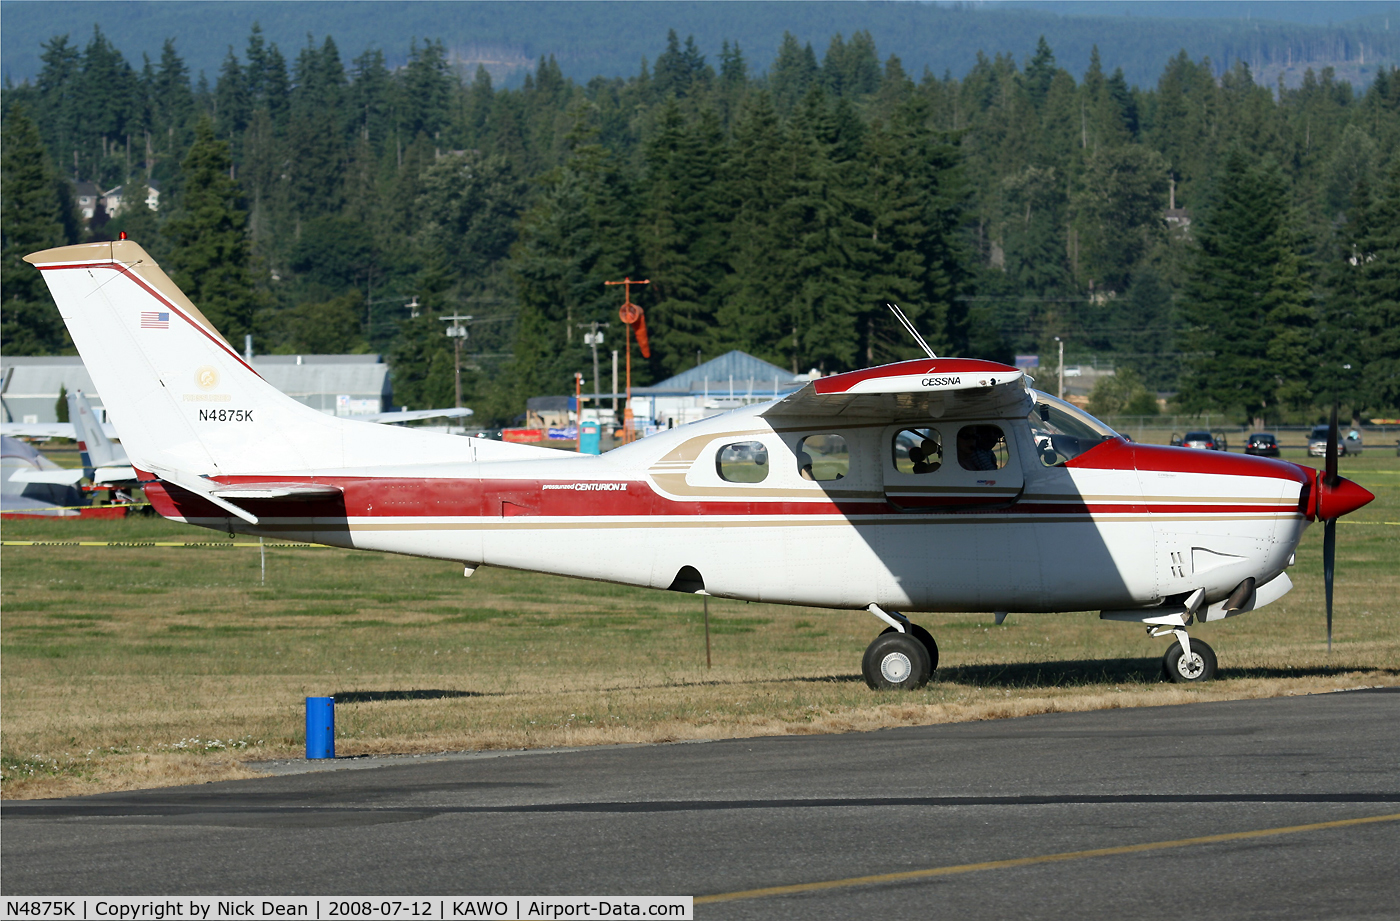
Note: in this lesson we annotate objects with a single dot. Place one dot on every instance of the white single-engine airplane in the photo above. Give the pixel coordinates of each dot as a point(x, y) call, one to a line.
point(941, 484)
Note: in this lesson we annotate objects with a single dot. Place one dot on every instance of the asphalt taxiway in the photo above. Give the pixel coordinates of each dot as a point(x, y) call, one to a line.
point(1281, 808)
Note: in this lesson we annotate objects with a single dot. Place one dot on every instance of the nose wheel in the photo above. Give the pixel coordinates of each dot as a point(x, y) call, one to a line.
point(1186, 666)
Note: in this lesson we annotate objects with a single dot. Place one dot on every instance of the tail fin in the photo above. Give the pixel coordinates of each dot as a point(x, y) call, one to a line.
point(186, 403)
point(100, 451)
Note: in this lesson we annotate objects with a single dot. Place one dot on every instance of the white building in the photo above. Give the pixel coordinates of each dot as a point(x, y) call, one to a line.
point(113, 199)
point(339, 385)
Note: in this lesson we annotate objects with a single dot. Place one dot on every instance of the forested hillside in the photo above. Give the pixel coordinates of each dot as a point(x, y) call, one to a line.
point(330, 205)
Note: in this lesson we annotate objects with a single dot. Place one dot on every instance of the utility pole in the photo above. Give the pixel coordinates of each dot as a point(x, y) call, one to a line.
point(458, 334)
point(1061, 385)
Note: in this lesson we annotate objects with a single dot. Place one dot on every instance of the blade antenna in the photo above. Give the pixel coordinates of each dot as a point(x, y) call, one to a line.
point(904, 321)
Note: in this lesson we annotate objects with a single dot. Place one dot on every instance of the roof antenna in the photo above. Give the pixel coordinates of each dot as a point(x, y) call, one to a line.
point(904, 321)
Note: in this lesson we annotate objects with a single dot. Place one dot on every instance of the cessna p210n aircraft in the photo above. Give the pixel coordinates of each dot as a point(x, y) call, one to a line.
point(941, 484)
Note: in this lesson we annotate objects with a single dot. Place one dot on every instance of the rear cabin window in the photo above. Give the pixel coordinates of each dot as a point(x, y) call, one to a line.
point(981, 447)
point(744, 462)
point(823, 457)
point(918, 451)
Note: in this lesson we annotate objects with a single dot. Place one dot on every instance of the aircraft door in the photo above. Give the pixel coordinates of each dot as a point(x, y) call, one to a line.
point(937, 562)
point(949, 466)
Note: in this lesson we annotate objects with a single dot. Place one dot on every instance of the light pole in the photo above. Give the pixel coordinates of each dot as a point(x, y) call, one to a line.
point(594, 338)
point(1060, 386)
point(458, 334)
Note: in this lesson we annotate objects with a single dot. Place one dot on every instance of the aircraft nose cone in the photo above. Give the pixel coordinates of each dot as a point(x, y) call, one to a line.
point(1342, 499)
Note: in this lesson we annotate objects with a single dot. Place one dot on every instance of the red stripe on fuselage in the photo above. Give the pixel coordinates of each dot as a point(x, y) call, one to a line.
point(390, 497)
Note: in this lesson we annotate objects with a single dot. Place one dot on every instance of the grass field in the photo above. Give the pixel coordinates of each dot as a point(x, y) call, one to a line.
point(127, 667)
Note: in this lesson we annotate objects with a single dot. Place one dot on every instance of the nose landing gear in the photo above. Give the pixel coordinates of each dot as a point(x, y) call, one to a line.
point(1188, 661)
point(903, 656)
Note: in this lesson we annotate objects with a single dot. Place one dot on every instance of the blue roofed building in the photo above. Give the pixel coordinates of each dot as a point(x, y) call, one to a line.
point(733, 379)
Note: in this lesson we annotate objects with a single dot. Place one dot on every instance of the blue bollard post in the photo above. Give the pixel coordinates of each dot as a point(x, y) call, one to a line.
point(320, 727)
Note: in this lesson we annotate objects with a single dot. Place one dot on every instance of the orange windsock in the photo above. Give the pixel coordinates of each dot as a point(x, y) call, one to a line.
point(632, 315)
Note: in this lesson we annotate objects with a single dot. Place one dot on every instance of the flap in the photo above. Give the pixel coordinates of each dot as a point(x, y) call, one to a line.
point(306, 491)
point(930, 388)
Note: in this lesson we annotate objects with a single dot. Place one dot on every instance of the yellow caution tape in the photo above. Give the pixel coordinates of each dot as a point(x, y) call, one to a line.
point(155, 543)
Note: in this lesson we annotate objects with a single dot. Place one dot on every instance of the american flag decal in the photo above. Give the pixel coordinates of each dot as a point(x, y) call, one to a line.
point(153, 319)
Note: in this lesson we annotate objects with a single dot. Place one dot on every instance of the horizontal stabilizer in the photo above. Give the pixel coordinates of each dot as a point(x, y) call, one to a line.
point(110, 475)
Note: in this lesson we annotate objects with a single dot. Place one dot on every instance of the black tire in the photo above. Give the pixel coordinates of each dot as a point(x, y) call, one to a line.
point(896, 661)
point(1200, 668)
point(923, 636)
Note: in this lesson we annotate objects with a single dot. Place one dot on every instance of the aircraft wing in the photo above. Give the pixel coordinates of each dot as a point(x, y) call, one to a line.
point(38, 429)
point(929, 387)
point(413, 415)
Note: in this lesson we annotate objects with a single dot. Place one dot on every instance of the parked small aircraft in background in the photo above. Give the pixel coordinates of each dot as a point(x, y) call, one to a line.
point(940, 484)
point(31, 484)
point(104, 461)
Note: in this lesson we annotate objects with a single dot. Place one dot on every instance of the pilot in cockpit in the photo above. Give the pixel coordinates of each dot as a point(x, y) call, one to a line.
point(974, 453)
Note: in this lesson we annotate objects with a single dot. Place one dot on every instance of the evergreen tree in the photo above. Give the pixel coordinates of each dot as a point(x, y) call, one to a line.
point(1248, 304)
point(1376, 262)
point(31, 219)
point(207, 234)
point(794, 71)
point(682, 240)
point(172, 108)
point(578, 235)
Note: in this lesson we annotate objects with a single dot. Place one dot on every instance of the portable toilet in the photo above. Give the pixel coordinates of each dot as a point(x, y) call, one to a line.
point(589, 441)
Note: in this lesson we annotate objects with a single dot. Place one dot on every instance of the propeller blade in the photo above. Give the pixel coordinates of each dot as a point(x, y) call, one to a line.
point(1332, 449)
point(1329, 562)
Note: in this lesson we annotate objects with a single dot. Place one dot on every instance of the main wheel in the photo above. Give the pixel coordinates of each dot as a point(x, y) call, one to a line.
point(896, 660)
point(923, 636)
point(1182, 669)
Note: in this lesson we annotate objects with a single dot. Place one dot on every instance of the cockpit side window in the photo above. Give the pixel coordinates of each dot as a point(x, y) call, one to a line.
point(981, 447)
point(1063, 431)
point(918, 450)
point(823, 457)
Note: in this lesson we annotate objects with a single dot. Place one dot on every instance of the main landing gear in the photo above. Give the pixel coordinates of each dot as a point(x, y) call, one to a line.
point(903, 656)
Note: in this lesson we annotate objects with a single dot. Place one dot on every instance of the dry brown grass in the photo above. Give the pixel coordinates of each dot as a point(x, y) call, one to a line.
point(142, 667)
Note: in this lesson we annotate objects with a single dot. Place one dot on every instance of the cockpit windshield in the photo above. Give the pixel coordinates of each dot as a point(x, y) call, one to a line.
point(1063, 431)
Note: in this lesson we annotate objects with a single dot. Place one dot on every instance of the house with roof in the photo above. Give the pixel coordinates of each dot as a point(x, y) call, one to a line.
point(114, 200)
point(89, 197)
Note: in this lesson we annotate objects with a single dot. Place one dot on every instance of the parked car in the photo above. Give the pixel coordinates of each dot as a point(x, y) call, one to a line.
point(1203, 440)
point(1350, 444)
point(1262, 444)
